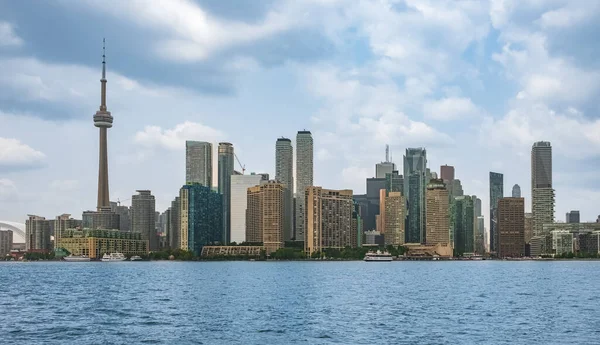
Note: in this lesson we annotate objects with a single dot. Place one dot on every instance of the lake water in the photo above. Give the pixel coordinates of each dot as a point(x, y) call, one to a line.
point(481, 302)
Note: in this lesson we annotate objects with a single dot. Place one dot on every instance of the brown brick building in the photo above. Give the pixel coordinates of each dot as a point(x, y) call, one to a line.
point(511, 227)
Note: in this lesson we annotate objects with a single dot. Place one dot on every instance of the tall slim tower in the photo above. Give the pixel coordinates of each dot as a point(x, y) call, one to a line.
point(284, 170)
point(304, 177)
point(415, 175)
point(516, 191)
point(542, 194)
point(225, 172)
point(103, 120)
point(198, 162)
point(496, 193)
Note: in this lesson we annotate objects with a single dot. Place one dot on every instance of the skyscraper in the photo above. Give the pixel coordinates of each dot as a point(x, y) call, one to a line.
point(62, 223)
point(304, 177)
point(284, 173)
point(265, 215)
point(394, 219)
point(464, 223)
point(542, 194)
point(415, 162)
point(143, 206)
point(573, 217)
point(103, 120)
point(239, 203)
point(387, 167)
point(496, 193)
point(516, 191)
point(6, 242)
point(175, 224)
point(226, 157)
point(37, 234)
point(198, 162)
point(394, 182)
point(201, 217)
point(438, 213)
point(447, 172)
point(511, 227)
point(328, 219)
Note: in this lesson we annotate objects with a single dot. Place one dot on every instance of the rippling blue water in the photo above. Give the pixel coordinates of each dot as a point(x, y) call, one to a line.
point(485, 302)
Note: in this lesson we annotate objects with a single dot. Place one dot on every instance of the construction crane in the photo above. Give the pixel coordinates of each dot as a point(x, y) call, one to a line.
point(240, 163)
point(119, 201)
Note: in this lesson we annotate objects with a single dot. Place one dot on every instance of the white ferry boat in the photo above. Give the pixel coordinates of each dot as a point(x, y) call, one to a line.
point(135, 258)
point(113, 257)
point(76, 258)
point(378, 256)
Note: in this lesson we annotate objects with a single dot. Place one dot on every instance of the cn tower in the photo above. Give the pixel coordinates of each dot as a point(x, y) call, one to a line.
point(103, 120)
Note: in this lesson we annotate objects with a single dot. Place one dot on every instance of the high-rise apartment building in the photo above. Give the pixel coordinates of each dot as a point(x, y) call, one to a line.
point(464, 232)
point(226, 160)
point(304, 178)
point(143, 208)
point(528, 232)
point(198, 162)
point(516, 191)
point(328, 219)
point(37, 234)
point(480, 235)
point(174, 234)
point(6, 242)
point(265, 215)
point(201, 217)
point(284, 173)
point(394, 219)
point(573, 217)
point(124, 215)
point(542, 194)
point(239, 203)
point(447, 173)
point(496, 193)
point(511, 227)
point(438, 213)
point(415, 176)
point(64, 222)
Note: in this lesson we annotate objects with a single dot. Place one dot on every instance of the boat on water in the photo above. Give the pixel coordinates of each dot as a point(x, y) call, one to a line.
point(378, 256)
point(76, 258)
point(135, 258)
point(113, 257)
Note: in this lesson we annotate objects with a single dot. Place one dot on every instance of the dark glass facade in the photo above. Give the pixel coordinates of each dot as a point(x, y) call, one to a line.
point(464, 221)
point(496, 193)
point(204, 217)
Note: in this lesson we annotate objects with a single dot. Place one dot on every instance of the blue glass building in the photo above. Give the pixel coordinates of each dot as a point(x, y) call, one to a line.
point(201, 217)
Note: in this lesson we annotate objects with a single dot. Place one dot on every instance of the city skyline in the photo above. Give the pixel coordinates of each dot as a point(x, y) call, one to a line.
point(49, 154)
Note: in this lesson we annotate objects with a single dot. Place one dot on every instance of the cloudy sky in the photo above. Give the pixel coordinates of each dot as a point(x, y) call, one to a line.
point(476, 83)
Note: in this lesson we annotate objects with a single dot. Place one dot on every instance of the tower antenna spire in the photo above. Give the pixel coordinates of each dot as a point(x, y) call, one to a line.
point(387, 153)
point(104, 58)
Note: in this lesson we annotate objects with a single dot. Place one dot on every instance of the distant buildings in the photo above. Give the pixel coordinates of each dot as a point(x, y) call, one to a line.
point(496, 193)
point(328, 219)
point(480, 235)
point(384, 168)
point(511, 227)
point(239, 203)
point(62, 223)
point(572, 217)
point(265, 215)
point(174, 232)
point(143, 207)
point(516, 191)
point(201, 215)
point(37, 234)
point(304, 178)
point(528, 227)
point(447, 172)
point(124, 215)
point(438, 213)
point(104, 218)
point(284, 173)
point(6, 242)
point(198, 162)
point(541, 186)
point(415, 162)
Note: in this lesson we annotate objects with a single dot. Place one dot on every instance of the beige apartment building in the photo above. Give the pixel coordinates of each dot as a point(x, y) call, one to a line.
point(438, 213)
point(328, 221)
point(394, 211)
point(265, 215)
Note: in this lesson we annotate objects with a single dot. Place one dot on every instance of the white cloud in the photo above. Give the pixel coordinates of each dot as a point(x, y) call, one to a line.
point(14, 154)
point(192, 33)
point(8, 190)
point(174, 139)
point(8, 37)
point(450, 108)
point(575, 13)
